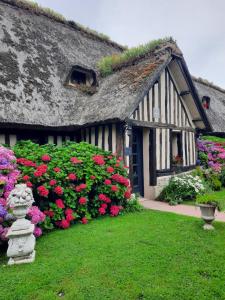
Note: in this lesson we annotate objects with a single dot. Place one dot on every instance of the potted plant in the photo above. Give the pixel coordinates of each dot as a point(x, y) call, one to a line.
point(208, 204)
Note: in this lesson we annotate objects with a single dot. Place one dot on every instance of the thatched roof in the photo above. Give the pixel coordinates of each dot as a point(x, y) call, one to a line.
point(216, 111)
point(37, 53)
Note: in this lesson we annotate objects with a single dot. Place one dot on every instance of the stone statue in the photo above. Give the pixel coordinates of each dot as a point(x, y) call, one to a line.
point(21, 238)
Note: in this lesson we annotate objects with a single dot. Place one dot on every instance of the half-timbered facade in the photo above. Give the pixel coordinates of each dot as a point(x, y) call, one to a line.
point(147, 110)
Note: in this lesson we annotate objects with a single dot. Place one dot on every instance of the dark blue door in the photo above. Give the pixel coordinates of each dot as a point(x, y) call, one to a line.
point(137, 160)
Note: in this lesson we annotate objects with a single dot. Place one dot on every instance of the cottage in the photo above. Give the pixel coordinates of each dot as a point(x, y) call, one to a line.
point(147, 110)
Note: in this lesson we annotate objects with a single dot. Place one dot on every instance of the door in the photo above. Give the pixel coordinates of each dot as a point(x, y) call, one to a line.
point(137, 161)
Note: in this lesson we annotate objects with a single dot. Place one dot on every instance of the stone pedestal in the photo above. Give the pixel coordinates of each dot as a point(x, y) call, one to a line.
point(21, 238)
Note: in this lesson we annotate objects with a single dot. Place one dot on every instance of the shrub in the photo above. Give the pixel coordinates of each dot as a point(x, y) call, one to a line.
point(216, 198)
point(182, 188)
point(222, 177)
point(74, 182)
point(215, 182)
point(133, 204)
point(203, 157)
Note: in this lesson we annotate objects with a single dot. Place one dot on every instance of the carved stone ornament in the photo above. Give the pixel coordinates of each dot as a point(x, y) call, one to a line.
point(21, 238)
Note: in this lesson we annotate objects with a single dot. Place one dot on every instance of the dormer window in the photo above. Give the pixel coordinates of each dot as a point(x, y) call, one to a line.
point(206, 102)
point(81, 76)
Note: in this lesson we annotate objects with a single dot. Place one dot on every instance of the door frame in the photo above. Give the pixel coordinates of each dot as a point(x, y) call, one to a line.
point(140, 171)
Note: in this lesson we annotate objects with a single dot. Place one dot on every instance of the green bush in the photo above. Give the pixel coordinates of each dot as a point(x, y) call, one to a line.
point(216, 198)
point(222, 177)
point(133, 205)
point(203, 157)
point(74, 182)
point(215, 182)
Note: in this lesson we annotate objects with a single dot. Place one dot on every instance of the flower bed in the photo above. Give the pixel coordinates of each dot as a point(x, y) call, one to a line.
point(73, 183)
point(181, 188)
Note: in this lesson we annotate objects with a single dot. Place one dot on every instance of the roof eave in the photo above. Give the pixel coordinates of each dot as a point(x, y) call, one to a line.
point(193, 90)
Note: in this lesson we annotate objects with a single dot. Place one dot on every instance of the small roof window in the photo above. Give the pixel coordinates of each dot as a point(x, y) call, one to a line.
point(81, 78)
point(206, 102)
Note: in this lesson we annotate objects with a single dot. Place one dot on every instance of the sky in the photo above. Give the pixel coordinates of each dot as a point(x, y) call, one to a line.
point(198, 26)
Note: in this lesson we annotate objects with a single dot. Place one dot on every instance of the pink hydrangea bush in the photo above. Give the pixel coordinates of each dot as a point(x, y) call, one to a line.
point(211, 154)
point(9, 175)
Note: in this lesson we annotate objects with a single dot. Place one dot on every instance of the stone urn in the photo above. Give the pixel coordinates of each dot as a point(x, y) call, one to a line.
point(208, 215)
point(21, 238)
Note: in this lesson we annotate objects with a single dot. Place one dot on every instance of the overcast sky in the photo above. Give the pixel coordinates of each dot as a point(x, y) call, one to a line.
point(197, 25)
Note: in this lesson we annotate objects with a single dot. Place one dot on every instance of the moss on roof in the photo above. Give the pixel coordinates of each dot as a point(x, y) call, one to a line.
point(111, 63)
point(37, 9)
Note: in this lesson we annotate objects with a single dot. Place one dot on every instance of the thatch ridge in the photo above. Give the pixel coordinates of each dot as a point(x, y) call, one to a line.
point(109, 64)
point(208, 83)
point(35, 8)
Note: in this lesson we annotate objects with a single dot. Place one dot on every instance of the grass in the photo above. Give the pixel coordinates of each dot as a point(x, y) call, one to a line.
point(211, 138)
point(146, 255)
point(109, 63)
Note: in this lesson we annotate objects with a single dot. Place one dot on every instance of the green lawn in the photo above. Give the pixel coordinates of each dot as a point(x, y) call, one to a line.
point(148, 255)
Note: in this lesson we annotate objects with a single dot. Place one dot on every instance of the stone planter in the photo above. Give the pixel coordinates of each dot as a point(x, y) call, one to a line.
point(208, 215)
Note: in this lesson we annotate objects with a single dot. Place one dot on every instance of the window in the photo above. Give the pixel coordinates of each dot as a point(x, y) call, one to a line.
point(206, 102)
point(80, 76)
point(177, 153)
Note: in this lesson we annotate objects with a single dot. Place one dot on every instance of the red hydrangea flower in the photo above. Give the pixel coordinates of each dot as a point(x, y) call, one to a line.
point(57, 169)
point(84, 220)
point(82, 200)
point(75, 160)
point(114, 210)
point(114, 188)
point(110, 157)
point(68, 211)
point(64, 224)
point(29, 184)
point(117, 165)
point(70, 217)
point(102, 197)
point(107, 200)
point(98, 159)
point(78, 189)
point(43, 191)
point(83, 186)
point(52, 182)
point(37, 173)
point(120, 158)
point(49, 213)
point(101, 211)
point(107, 182)
point(72, 176)
point(59, 203)
point(26, 178)
point(127, 194)
point(26, 162)
point(92, 177)
point(110, 169)
point(42, 169)
point(120, 179)
point(46, 157)
point(104, 205)
point(58, 190)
